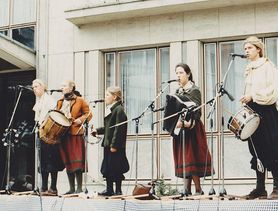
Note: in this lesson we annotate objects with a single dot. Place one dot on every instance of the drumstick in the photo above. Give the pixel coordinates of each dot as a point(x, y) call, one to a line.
point(82, 123)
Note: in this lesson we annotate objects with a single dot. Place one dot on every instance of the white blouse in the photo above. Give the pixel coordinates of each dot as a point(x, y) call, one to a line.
point(43, 105)
point(261, 82)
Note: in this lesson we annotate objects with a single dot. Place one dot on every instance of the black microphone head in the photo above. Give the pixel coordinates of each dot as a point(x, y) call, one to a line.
point(239, 55)
point(55, 90)
point(98, 101)
point(170, 81)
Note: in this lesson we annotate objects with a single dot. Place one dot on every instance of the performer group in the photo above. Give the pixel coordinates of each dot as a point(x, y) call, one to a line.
point(64, 146)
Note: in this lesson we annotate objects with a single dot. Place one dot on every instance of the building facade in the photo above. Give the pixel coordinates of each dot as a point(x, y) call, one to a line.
point(136, 44)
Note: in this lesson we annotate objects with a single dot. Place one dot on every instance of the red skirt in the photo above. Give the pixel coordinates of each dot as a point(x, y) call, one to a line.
point(196, 160)
point(72, 149)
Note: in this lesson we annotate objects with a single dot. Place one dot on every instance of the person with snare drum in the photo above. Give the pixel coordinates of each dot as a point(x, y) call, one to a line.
point(50, 159)
point(261, 95)
point(72, 146)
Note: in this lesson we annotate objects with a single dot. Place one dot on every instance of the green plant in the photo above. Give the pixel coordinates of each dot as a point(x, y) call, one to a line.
point(163, 189)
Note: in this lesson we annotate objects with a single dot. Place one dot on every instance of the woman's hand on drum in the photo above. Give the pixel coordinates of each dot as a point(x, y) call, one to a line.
point(245, 99)
point(113, 149)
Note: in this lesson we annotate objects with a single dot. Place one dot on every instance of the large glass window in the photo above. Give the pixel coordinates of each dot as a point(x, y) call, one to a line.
point(137, 70)
point(17, 20)
point(217, 59)
point(272, 49)
point(210, 81)
point(110, 67)
point(140, 73)
point(234, 81)
point(24, 36)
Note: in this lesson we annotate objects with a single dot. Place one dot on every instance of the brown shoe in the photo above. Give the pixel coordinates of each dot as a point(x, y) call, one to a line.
point(50, 192)
point(273, 195)
point(256, 194)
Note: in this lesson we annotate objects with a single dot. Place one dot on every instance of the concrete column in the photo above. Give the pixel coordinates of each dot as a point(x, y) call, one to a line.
point(94, 89)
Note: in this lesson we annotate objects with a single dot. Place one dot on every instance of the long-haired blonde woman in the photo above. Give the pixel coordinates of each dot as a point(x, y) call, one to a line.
point(50, 159)
point(261, 94)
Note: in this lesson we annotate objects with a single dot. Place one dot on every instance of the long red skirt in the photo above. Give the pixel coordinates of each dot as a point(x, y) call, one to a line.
point(72, 149)
point(197, 158)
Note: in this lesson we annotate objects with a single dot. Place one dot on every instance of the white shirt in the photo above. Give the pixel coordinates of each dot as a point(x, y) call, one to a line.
point(261, 82)
point(43, 105)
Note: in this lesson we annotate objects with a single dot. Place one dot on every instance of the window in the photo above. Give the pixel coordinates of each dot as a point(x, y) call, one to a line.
point(17, 20)
point(217, 59)
point(139, 72)
point(24, 36)
point(110, 66)
point(272, 49)
point(4, 32)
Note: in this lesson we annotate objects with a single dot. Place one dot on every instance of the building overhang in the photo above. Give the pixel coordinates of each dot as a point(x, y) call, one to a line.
point(123, 9)
point(14, 54)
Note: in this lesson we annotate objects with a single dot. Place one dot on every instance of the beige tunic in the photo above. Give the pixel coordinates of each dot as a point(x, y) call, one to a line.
point(261, 82)
point(43, 105)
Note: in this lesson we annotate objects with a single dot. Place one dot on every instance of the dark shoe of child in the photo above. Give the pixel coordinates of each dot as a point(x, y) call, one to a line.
point(106, 193)
point(256, 194)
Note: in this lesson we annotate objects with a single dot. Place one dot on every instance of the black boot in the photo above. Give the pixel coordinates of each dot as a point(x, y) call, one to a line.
point(78, 176)
point(119, 187)
point(71, 179)
point(53, 188)
point(274, 193)
point(109, 189)
point(44, 181)
point(260, 191)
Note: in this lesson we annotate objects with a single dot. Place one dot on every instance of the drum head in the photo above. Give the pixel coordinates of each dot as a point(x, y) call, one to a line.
point(59, 118)
point(250, 127)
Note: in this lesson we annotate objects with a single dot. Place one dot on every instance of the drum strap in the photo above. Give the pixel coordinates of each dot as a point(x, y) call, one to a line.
point(260, 166)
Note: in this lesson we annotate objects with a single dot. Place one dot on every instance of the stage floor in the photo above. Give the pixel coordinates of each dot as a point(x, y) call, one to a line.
point(46, 203)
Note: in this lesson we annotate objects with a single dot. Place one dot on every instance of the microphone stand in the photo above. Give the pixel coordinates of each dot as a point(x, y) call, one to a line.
point(210, 117)
point(85, 124)
point(151, 107)
point(37, 159)
point(222, 91)
point(9, 144)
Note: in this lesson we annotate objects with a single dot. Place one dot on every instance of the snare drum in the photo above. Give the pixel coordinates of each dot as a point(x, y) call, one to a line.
point(54, 127)
point(244, 123)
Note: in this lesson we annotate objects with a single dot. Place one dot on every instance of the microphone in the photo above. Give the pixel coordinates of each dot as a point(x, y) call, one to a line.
point(14, 88)
point(239, 55)
point(97, 101)
point(170, 81)
point(55, 90)
point(28, 87)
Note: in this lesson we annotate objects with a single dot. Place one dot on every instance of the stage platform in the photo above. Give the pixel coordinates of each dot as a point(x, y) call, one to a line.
point(46, 203)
